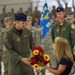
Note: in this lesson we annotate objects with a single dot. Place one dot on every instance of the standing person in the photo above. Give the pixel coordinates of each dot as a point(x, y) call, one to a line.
point(35, 13)
point(1, 47)
point(66, 9)
point(47, 45)
point(36, 32)
point(8, 24)
point(63, 28)
point(64, 57)
point(18, 42)
point(48, 48)
point(29, 22)
point(2, 16)
point(53, 11)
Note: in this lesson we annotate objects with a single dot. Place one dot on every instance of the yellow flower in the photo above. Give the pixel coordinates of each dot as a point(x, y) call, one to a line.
point(46, 57)
point(36, 52)
point(36, 66)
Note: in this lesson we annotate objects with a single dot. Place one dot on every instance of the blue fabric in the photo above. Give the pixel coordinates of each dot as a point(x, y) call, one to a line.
point(34, 22)
point(74, 22)
point(68, 63)
point(3, 26)
point(45, 20)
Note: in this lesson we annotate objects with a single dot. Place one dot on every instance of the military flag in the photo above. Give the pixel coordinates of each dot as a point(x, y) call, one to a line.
point(45, 20)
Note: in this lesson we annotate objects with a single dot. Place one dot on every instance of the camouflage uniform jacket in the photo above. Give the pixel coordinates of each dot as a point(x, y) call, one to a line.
point(1, 44)
point(37, 34)
point(3, 33)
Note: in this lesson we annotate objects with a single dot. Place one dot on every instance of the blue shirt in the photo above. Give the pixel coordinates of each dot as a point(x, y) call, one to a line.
point(68, 63)
point(34, 22)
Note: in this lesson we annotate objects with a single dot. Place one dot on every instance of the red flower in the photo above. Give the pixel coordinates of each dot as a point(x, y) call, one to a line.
point(38, 48)
point(33, 61)
point(42, 60)
point(34, 47)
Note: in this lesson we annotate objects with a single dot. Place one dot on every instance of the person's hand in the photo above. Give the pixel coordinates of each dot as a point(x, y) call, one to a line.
point(46, 67)
point(52, 21)
point(26, 61)
point(54, 46)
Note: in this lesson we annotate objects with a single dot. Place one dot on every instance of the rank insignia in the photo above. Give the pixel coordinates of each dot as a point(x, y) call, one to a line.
point(18, 40)
point(25, 36)
point(72, 26)
point(57, 30)
point(63, 29)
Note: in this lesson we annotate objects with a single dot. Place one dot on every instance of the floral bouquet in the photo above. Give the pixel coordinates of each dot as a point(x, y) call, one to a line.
point(39, 58)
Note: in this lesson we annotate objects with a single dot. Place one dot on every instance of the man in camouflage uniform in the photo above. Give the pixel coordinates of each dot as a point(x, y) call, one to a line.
point(53, 11)
point(8, 23)
point(36, 32)
point(2, 16)
point(37, 35)
point(35, 13)
point(1, 47)
point(18, 42)
point(48, 48)
point(63, 29)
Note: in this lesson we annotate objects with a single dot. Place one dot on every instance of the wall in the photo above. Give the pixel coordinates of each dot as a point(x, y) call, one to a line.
point(16, 4)
point(13, 1)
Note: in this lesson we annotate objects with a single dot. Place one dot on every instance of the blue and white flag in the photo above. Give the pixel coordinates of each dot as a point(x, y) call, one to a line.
point(45, 20)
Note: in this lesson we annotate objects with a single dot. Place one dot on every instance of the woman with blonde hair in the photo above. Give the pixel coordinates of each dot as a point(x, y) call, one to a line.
point(64, 56)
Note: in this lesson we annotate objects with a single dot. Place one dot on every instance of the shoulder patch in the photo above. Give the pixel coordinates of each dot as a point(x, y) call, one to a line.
point(73, 26)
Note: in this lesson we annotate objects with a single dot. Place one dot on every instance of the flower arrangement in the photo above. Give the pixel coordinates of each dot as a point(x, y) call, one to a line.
point(38, 57)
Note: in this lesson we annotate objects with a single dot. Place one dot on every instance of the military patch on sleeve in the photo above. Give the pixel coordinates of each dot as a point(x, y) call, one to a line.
point(73, 26)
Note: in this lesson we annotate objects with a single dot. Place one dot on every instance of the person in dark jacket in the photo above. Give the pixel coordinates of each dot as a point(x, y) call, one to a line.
point(19, 42)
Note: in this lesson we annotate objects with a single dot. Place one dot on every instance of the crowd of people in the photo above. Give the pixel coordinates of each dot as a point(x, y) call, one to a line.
point(20, 31)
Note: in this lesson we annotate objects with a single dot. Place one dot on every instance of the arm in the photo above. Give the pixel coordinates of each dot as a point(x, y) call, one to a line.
point(52, 35)
point(12, 54)
point(59, 71)
point(72, 34)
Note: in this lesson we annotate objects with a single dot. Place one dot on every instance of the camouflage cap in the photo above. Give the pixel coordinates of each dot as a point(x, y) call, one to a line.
point(8, 19)
point(29, 18)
